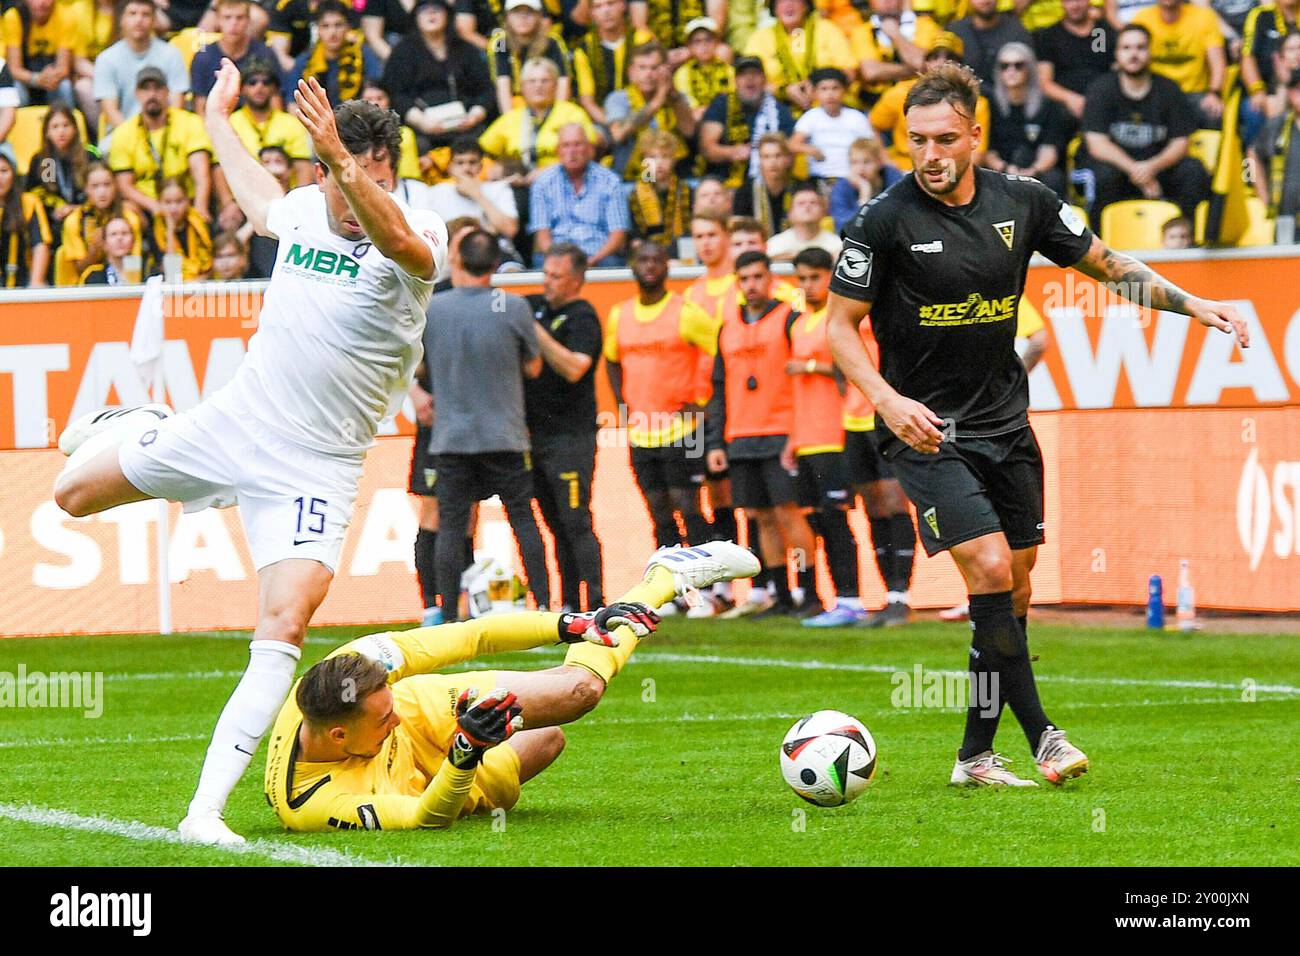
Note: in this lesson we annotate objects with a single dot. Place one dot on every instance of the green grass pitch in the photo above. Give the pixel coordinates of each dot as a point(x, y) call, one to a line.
point(678, 764)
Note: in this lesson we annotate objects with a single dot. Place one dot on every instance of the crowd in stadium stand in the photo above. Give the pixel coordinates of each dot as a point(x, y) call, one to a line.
point(602, 122)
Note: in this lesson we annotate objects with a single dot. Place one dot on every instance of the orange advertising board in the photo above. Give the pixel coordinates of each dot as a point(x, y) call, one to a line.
point(1162, 441)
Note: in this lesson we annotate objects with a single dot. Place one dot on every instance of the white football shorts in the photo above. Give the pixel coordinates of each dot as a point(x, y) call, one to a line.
point(294, 502)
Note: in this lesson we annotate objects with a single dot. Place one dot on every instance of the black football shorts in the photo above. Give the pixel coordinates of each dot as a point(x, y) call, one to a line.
point(974, 487)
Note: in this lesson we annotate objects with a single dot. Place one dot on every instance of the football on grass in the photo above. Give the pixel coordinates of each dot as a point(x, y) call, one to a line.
point(828, 758)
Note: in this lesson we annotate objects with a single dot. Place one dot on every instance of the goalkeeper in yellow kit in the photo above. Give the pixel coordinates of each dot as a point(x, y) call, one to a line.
point(372, 739)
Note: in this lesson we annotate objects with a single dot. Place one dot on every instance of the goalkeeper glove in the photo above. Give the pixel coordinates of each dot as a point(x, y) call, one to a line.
point(482, 723)
point(596, 626)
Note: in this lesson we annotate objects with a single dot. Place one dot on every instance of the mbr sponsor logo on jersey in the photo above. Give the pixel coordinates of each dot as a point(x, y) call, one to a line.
point(323, 262)
point(934, 246)
point(974, 311)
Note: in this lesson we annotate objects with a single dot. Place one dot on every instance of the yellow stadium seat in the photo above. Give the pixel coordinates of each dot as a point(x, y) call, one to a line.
point(25, 137)
point(1204, 146)
point(1136, 223)
point(190, 40)
point(1261, 230)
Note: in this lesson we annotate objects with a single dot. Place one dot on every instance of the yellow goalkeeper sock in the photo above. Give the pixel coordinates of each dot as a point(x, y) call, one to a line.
point(656, 588)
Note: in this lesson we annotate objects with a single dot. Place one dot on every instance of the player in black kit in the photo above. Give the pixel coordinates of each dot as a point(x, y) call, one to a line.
point(560, 405)
point(939, 261)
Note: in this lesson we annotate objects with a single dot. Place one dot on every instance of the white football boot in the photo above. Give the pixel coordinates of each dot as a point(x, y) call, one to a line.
point(703, 565)
point(1058, 760)
point(986, 770)
point(208, 827)
point(106, 419)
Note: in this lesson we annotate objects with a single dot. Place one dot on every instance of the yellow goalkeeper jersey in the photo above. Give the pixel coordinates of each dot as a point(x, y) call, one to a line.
point(410, 783)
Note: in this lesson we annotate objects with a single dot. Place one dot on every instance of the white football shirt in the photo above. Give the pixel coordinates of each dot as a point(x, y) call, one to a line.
point(341, 329)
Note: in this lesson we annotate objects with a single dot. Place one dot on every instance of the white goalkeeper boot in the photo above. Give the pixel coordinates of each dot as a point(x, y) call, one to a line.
point(104, 420)
point(208, 827)
point(703, 565)
point(986, 770)
point(1058, 760)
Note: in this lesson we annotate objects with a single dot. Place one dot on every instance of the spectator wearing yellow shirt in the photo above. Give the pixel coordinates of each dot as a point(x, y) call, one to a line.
point(39, 43)
point(24, 230)
point(83, 229)
point(889, 47)
point(160, 143)
point(602, 55)
point(799, 42)
point(887, 115)
point(703, 74)
point(259, 123)
point(1187, 47)
point(524, 140)
point(180, 231)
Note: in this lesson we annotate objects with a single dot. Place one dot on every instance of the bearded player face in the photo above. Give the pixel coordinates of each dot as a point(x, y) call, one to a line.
point(342, 220)
point(942, 144)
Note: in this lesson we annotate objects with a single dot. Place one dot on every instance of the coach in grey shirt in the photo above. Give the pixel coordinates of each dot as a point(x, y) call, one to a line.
point(479, 345)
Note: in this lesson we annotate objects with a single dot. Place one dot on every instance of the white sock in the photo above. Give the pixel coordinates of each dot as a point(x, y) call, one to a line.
point(853, 603)
point(899, 597)
point(246, 718)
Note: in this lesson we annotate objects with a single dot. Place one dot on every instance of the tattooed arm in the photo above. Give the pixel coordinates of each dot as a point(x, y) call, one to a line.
point(1141, 284)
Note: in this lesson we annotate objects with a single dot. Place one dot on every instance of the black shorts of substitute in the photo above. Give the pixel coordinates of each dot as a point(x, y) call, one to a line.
point(863, 460)
point(823, 481)
point(671, 467)
point(760, 483)
point(424, 476)
point(974, 487)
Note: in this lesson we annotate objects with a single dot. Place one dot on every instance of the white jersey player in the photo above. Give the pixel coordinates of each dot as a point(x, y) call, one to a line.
point(339, 337)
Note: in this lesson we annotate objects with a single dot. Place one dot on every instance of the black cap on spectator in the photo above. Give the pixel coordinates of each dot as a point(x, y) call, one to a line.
point(150, 74)
point(445, 4)
point(744, 63)
point(828, 73)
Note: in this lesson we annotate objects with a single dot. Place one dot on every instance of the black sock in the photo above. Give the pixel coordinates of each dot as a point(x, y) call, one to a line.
point(808, 581)
point(781, 578)
point(996, 638)
point(697, 529)
point(841, 551)
point(425, 569)
point(902, 543)
point(882, 533)
point(763, 578)
point(1021, 692)
point(751, 525)
point(724, 523)
point(469, 552)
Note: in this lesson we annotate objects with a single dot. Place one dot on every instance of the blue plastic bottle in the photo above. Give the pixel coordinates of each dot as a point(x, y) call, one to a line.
point(1155, 603)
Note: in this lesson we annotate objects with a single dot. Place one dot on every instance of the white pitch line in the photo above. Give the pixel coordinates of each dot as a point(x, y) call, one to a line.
point(814, 665)
point(665, 657)
point(686, 718)
point(99, 741)
point(147, 833)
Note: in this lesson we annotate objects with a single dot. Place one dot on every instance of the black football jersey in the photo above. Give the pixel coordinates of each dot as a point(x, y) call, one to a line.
point(944, 283)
